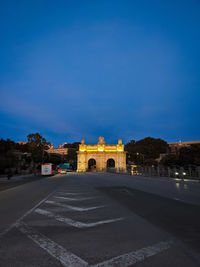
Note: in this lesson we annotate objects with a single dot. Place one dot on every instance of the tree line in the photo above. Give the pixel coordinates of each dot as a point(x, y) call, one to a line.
point(28, 157)
point(145, 152)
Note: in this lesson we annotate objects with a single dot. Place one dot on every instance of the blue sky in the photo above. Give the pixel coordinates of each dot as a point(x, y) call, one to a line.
point(73, 69)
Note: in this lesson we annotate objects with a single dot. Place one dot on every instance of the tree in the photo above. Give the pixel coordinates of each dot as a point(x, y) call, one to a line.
point(146, 150)
point(130, 148)
point(189, 155)
point(169, 160)
point(72, 155)
point(7, 158)
point(37, 145)
point(55, 159)
point(74, 145)
point(185, 156)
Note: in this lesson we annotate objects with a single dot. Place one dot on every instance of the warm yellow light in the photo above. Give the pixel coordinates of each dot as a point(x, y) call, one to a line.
point(101, 150)
point(88, 150)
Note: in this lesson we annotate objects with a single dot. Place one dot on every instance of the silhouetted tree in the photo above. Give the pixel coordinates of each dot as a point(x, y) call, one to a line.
point(169, 160)
point(185, 156)
point(37, 146)
point(146, 150)
point(55, 159)
point(74, 145)
point(189, 155)
point(7, 158)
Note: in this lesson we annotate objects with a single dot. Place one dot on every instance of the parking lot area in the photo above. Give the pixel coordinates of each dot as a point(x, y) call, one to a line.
point(79, 225)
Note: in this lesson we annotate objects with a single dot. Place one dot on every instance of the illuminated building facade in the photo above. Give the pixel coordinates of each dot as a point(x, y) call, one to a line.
point(101, 154)
point(61, 150)
point(175, 147)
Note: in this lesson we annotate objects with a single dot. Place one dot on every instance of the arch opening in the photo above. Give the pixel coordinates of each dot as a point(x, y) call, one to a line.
point(110, 163)
point(91, 165)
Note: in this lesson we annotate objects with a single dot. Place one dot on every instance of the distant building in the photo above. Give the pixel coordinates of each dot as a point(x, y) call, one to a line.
point(100, 156)
point(174, 147)
point(21, 142)
point(60, 150)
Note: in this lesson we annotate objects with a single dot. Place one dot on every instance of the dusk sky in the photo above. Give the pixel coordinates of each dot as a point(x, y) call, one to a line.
point(81, 69)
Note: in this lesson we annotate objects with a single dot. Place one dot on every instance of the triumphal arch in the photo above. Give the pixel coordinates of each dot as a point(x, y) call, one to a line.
point(101, 156)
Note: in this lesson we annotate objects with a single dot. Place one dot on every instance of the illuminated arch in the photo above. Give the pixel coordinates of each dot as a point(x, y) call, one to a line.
point(101, 153)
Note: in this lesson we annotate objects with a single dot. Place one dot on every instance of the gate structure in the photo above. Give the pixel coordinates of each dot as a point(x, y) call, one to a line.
point(101, 154)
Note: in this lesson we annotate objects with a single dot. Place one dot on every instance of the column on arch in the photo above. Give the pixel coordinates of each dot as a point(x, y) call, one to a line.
point(82, 162)
point(121, 162)
point(99, 161)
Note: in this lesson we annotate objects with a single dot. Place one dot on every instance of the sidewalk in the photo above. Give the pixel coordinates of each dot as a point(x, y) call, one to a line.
point(15, 177)
point(17, 180)
point(166, 178)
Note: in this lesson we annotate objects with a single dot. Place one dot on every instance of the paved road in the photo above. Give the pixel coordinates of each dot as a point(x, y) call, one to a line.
point(17, 180)
point(100, 220)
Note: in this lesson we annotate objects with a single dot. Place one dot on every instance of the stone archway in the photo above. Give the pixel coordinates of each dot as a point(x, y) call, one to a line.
point(91, 164)
point(101, 152)
point(110, 163)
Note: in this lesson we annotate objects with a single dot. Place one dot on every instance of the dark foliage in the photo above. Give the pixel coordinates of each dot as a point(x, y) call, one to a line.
point(36, 146)
point(145, 151)
point(185, 156)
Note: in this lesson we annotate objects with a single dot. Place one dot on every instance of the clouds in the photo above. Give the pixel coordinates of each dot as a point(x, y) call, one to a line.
point(101, 68)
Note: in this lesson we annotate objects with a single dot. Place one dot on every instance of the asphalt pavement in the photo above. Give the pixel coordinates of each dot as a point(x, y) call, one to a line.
point(95, 219)
point(17, 180)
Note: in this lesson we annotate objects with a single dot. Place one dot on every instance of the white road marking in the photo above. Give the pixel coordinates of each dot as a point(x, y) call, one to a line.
point(73, 223)
point(27, 213)
point(177, 199)
point(135, 256)
point(68, 193)
point(67, 258)
point(74, 199)
point(71, 194)
point(72, 207)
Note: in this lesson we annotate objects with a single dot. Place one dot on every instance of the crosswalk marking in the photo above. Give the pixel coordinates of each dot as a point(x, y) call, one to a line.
point(73, 223)
point(133, 257)
point(67, 258)
point(72, 207)
point(71, 193)
point(25, 215)
point(74, 199)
